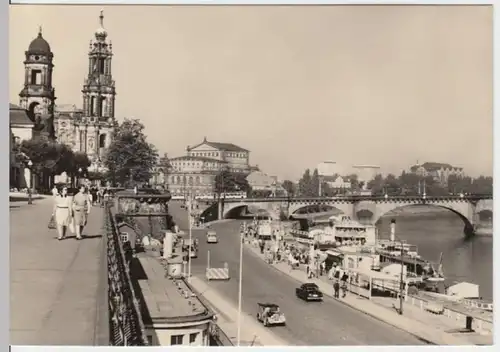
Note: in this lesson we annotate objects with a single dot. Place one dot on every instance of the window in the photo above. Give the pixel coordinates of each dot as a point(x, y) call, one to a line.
point(36, 77)
point(102, 141)
point(176, 340)
point(102, 63)
point(101, 106)
point(192, 337)
point(92, 106)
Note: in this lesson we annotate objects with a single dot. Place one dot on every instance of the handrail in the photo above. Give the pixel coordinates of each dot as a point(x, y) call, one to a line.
point(125, 323)
point(101, 332)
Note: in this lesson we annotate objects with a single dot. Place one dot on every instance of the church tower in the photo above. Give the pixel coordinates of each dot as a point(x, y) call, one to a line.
point(38, 95)
point(96, 128)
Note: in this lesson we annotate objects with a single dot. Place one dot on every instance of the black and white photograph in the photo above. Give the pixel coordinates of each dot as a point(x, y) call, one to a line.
point(228, 175)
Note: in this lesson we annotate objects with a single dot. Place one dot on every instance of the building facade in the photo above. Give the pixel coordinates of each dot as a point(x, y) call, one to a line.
point(88, 130)
point(21, 128)
point(366, 173)
point(38, 95)
point(195, 172)
point(260, 181)
point(440, 172)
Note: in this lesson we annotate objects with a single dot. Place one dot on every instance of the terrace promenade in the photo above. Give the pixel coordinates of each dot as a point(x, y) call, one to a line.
point(55, 293)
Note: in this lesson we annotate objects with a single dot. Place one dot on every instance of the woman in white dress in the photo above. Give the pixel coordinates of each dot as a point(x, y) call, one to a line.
point(62, 212)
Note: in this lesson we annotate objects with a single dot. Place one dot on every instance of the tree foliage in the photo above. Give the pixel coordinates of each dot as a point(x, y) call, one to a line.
point(130, 158)
point(412, 184)
point(227, 181)
point(51, 157)
point(289, 187)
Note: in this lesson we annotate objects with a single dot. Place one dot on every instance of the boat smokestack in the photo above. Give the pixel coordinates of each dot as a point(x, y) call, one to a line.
point(393, 230)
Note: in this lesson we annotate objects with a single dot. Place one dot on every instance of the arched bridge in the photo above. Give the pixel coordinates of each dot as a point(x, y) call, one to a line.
point(368, 208)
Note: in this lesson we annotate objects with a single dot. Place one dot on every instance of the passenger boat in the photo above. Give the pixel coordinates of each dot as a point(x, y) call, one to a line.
point(392, 252)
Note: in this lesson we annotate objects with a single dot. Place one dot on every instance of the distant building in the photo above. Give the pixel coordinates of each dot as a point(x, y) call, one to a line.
point(89, 129)
point(195, 172)
point(260, 181)
point(439, 171)
point(171, 313)
point(366, 173)
point(337, 182)
point(21, 128)
point(329, 168)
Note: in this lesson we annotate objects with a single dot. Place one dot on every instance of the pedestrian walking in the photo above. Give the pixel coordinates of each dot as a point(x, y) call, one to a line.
point(81, 208)
point(322, 268)
point(55, 191)
point(336, 289)
point(62, 212)
point(345, 277)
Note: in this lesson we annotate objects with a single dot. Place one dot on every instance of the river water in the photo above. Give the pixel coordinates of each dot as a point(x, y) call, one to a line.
point(469, 260)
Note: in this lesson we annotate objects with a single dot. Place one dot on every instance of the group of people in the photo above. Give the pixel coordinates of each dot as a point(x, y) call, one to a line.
point(70, 211)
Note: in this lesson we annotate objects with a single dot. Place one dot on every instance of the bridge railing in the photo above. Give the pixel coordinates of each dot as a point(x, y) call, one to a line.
point(125, 324)
point(362, 197)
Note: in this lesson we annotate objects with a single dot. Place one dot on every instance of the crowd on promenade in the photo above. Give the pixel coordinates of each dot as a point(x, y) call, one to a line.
point(72, 208)
point(295, 256)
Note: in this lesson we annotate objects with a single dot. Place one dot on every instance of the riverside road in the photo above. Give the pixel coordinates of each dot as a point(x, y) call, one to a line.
point(326, 323)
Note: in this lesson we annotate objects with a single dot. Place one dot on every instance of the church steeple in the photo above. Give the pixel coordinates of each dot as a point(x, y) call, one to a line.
point(98, 96)
point(99, 87)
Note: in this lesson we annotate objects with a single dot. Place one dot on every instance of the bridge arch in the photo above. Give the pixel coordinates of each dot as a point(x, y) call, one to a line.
point(463, 212)
point(246, 209)
point(315, 209)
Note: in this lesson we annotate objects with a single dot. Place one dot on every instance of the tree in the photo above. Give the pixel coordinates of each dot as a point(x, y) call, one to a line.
point(130, 158)
point(354, 180)
point(409, 183)
point(376, 185)
point(227, 181)
point(392, 185)
point(289, 187)
point(309, 184)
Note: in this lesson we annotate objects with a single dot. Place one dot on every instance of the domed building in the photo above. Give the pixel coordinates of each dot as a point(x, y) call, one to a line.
point(89, 129)
point(38, 95)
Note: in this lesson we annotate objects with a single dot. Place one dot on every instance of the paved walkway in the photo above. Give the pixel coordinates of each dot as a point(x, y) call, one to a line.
point(54, 289)
point(415, 323)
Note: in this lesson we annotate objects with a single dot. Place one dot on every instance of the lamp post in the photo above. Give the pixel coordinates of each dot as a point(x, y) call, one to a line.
point(401, 275)
point(240, 286)
point(80, 171)
point(32, 181)
point(190, 230)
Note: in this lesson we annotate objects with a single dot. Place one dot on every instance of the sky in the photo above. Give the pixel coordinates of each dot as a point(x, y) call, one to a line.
point(295, 85)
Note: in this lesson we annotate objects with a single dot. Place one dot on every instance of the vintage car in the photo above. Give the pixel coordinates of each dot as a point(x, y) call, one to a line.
point(212, 237)
point(309, 292)
point(270, 314)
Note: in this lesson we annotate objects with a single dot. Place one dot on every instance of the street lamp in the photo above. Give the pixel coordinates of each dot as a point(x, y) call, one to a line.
point(32, 181)
point(79, 176)
point(190, 230)
point(401, 275)
point(240, 291)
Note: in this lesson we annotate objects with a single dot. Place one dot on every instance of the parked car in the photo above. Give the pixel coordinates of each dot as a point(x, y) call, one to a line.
point(309, 292)
point(270, 314)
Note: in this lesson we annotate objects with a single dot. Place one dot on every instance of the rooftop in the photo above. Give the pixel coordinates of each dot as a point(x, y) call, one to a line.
point(39, 45)
point(432, 166)
point(165, 300)
point(197, 158)
point(19, 116)
point(227, 147)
